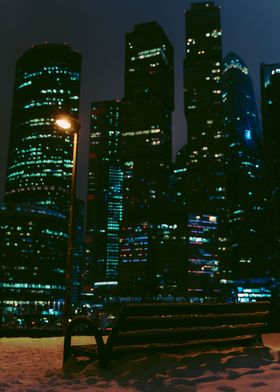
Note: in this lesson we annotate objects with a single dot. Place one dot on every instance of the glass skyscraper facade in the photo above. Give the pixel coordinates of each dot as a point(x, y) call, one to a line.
point(202, 278)
point(134, 262)
point(220, 172)
point(33, 250)
point(247, 205)
point(239, 102)
point(203, 156)
point(146, 149)
point(270, 94)
point(105, 198)
point(202, 75)
point(147, 117)
point(200, 165)
point(47, 83)
point(37, 193)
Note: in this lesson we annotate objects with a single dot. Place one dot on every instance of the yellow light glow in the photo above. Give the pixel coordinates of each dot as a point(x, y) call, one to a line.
point(63, 123)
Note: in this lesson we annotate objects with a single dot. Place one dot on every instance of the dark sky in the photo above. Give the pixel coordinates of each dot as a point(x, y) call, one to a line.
point(96, 28)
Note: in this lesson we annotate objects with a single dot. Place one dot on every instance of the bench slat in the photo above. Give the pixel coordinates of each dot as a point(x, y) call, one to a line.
point(181, 334)
point(153, 322)
point(187, 308)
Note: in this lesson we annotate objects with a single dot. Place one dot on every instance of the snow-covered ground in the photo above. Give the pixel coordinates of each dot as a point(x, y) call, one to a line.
point(34, 365)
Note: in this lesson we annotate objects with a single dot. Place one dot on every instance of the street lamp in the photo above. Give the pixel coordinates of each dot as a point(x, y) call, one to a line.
point(70, 125)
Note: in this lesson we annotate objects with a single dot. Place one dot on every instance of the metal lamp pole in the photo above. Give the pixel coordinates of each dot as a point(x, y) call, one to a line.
point(71, 126)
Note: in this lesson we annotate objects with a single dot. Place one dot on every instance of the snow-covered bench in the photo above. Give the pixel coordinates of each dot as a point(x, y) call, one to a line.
point(169, 326)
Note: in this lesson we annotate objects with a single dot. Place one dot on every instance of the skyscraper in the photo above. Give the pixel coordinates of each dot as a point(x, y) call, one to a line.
point(239, 102)
point(39, 170)
point(270, 91)
point(247, 207)
point(105, 200)
point(147, 115)
point(200, 165)
point(145, 146)
point(220, 172)
point(204, 152)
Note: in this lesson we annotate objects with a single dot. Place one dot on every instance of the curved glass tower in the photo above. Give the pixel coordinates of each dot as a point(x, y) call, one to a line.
point(37, 194)
point(239, 102)
point(40, 158)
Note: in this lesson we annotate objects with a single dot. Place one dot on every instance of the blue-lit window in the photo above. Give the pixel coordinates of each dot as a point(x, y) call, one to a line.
point(248, 134)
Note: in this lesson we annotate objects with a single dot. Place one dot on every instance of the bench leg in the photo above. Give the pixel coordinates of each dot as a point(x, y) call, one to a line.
point(101, 348)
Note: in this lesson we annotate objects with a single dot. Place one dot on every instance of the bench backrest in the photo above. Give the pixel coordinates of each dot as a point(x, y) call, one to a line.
point(177, 322)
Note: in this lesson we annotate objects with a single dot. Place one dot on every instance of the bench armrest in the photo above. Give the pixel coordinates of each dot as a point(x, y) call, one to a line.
point(92, 328)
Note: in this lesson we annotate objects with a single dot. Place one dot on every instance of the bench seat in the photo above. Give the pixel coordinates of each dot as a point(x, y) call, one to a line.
point(170, 327)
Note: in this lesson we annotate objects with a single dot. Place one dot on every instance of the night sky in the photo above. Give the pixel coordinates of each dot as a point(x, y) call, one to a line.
point(96, 28)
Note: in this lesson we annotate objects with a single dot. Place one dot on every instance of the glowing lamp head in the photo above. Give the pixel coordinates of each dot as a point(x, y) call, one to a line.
point(63, 123)
point(68, 124)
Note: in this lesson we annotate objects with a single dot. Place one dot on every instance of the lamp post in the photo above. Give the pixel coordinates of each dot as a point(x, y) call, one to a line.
point(70, 125)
